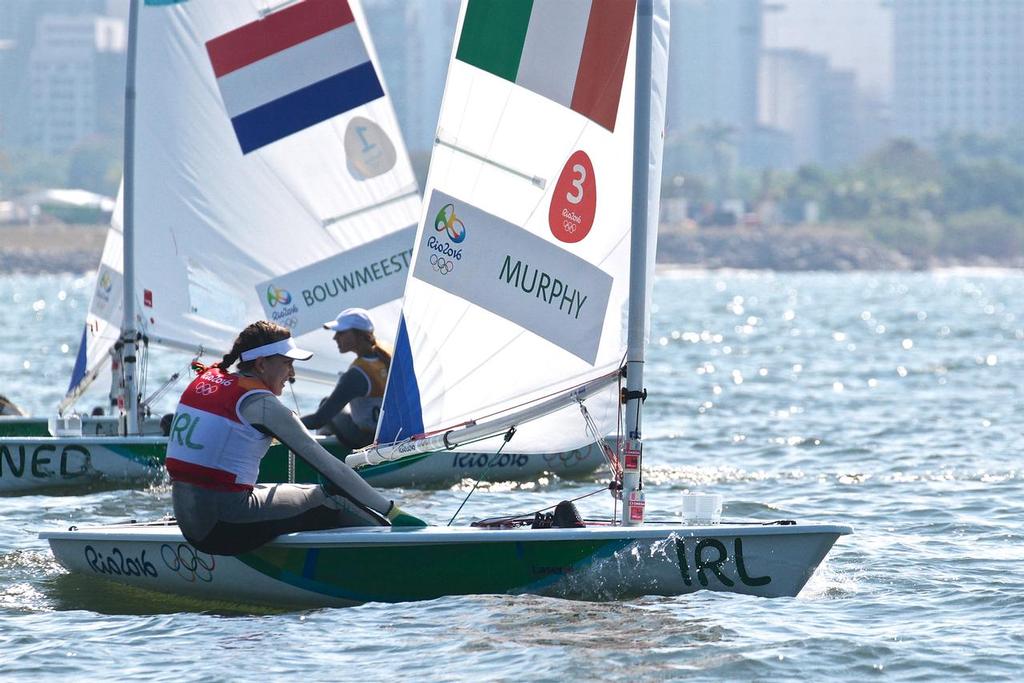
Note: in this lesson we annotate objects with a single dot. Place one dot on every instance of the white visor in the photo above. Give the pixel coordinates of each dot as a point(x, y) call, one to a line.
point(285, 347)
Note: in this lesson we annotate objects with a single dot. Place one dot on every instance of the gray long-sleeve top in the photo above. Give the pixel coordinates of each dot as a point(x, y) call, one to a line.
point(267, 414)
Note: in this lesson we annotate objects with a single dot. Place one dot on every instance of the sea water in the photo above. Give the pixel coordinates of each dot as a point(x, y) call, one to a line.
point(887, 401)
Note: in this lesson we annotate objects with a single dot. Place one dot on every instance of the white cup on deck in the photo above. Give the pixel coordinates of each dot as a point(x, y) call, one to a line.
point(702, 508)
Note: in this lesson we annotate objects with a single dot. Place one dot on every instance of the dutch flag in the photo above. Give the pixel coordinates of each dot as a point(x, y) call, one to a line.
point(291, 70)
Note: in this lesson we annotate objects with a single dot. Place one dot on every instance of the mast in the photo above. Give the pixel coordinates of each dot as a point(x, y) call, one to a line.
point(129, 334)
point(632, 495)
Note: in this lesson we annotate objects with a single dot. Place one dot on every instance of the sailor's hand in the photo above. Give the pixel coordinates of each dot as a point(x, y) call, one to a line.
point(399, 517)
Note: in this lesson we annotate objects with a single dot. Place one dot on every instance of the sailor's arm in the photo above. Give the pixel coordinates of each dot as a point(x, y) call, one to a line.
point(353, 384)
point(269, 415)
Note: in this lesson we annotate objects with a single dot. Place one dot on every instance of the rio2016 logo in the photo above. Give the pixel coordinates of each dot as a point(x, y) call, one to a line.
point(276, 296)
point(446, 220)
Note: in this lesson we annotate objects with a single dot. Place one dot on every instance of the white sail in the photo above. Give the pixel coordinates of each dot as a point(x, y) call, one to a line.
point(103, 320)
point(272, 181)
point(521, 263)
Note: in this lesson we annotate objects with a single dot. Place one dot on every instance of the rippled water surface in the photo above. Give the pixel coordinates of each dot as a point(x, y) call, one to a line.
point(889, 402)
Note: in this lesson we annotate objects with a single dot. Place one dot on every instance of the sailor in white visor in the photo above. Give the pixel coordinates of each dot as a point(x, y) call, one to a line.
point(223, 426)
point(353, 408)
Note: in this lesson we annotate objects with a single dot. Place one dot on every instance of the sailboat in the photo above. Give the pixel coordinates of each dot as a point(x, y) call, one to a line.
point(546, 104)
point(267, 179)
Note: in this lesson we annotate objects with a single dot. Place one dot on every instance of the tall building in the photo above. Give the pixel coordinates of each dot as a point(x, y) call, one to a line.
point(7, 79)
point(714, 52)
point(957, 66)
point(793, 99)
point(18, 31)
point(73, 63)
point(822, 112)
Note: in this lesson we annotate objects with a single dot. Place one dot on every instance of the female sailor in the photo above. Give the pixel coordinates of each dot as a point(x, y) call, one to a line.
point(353, 408)
point(222, 428)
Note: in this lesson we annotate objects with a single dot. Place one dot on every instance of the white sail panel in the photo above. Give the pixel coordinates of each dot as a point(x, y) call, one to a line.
point(501, 168)
point(106, 312)
point(226, 235)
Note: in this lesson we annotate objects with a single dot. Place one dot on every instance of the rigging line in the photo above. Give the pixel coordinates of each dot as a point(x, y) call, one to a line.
point(143, 351)
point(171, 381)
point(611, 458)
point(536, 181)
point(291, 453)
point(508, 437)
point(295, 399)
point(413, 192)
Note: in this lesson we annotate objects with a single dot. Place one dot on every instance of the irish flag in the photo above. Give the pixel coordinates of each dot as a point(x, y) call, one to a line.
point(570, 51)
point(292, 69)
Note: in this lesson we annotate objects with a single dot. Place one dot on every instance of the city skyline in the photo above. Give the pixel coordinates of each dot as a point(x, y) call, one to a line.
point(789, 82)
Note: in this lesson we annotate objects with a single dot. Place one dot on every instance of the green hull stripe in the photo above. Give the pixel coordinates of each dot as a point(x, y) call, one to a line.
point(150, 455)
point(390, 573)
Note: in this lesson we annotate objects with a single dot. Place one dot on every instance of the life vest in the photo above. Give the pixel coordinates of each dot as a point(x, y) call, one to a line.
point(366, 409)
point(210, 444)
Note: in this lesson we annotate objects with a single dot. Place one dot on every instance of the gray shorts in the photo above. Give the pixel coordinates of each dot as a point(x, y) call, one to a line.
point(234, 522)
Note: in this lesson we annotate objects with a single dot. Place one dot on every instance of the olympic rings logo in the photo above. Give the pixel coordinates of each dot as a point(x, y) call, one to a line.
point(206, 389)
point(441, 264)
point(567, 457)
point(188, 563)
point(446, 220)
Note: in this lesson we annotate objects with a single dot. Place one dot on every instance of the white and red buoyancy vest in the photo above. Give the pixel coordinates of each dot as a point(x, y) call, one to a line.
point(210, 444)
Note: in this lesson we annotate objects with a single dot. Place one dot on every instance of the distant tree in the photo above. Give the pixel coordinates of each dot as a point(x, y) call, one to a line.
point(916, 237)
point(25, 170)
point(95, 165)
point(988, 232)
point(718, 142)
point(979, 184)
point(850, 198)
point(899, 180)
point(903, 158)
point(809, 184)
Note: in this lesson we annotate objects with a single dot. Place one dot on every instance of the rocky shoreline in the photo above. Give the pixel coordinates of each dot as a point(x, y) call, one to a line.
point(795, 249)
point(77, 249)
point(51, 249)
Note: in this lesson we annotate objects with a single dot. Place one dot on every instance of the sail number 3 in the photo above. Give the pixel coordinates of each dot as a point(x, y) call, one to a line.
point(574, 201)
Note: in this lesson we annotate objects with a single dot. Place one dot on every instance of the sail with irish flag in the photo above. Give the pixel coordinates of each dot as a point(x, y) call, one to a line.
point(573, 53)
point(520, 269)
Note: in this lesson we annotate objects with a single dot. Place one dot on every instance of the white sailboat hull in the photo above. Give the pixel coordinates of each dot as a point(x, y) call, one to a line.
point(61, 464)
point(352, 566)
point(43, 464)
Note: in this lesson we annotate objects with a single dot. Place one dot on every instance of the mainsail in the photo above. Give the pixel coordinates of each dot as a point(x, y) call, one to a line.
point(271, 182)
point(521, 266)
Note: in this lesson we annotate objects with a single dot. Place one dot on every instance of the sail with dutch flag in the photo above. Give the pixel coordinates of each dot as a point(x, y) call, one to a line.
point(271, 182)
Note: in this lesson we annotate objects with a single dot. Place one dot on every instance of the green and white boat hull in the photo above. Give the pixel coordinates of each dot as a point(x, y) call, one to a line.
point(351, 566)
point(45, 464)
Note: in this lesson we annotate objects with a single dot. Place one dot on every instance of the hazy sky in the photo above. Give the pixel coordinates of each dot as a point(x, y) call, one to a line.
point(854, 34)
